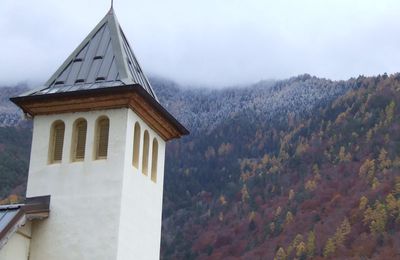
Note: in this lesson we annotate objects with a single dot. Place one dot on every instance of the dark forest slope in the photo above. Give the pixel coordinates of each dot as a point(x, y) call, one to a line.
point(323, 184)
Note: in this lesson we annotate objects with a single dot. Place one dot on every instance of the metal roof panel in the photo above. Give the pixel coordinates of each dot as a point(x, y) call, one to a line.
point(103, 59)
point(7, 216)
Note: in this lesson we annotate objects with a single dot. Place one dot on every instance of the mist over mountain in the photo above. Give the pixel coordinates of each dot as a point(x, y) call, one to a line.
point(203, 109)
point(10, 114)
point(200, 108)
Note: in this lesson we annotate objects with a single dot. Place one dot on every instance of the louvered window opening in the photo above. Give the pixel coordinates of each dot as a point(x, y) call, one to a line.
point(102, 141)
point(57, 142)
point(136, 146)
point(154, 161)
point(80, 137)
point(145, 162)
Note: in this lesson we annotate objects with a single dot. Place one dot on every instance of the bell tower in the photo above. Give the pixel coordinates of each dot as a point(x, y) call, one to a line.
point(98, 150)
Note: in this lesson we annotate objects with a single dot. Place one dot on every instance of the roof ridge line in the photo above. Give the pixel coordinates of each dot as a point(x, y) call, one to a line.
point(103, 59)
point(77, 50)
point(117, 45)
point(138, 64)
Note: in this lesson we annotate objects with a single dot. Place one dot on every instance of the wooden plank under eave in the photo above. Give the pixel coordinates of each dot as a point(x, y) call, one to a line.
point(76, 106)
point(70, 103)
point(152, 118)
point(158, 117)
point(78, 100)
point(151, 122)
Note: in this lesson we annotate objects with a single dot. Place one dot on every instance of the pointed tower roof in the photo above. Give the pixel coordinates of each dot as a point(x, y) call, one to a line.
point(102, 73)
point(104, 59)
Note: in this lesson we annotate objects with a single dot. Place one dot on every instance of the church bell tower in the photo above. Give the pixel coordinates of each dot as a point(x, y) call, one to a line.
point(98, 150)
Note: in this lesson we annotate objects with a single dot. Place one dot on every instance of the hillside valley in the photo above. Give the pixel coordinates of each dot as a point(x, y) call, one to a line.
point(304, 168)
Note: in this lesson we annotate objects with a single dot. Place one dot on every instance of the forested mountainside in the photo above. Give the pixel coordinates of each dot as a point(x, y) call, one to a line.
point(9, 113)
point(205, 109)
point(325, 184)
point(15, 143)
point(304, 168)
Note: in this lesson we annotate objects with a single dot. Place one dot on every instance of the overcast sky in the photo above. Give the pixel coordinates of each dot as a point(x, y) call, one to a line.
point(211, 42)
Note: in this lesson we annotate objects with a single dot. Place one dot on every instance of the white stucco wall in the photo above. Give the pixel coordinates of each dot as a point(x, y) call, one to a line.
point(85, 196)
point(141, 207)
point(17, 248)
point(100, 209)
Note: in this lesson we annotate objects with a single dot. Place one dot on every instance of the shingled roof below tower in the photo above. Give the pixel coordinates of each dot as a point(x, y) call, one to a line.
point(104, 59)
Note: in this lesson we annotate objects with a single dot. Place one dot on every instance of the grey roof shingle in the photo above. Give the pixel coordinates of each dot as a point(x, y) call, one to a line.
point(104, 59)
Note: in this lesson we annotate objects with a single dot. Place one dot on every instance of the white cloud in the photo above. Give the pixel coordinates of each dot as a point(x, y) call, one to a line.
point(210, 42)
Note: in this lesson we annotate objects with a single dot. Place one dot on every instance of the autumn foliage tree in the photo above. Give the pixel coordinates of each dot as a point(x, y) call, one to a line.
point(376, 218)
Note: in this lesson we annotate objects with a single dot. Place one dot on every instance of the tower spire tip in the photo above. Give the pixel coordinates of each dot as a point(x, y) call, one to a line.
point(111, 7)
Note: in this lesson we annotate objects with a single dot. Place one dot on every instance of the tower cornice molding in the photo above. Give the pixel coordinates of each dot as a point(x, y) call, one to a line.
point(135, 98)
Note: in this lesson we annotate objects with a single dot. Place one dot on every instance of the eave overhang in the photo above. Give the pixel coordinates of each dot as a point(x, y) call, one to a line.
point(128, 96)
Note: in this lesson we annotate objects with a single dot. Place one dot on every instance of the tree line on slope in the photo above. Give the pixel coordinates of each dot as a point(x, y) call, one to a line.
point(325, 185)
point(270, 181)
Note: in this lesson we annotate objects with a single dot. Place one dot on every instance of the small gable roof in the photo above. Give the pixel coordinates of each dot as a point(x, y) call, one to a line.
point(12, 217)
point(104, 59)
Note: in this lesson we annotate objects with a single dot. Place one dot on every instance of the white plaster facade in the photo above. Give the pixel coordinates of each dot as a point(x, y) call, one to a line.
point(100, 209)
point(17, 248)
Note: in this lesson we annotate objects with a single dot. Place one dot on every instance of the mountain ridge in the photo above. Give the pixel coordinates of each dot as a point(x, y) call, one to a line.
point(307, 187)
point(300, 168)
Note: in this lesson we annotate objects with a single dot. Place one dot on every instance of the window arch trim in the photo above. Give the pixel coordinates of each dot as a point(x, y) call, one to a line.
point(56, 143)
point(136, 145)
point(145, 158)
point(79, 138)
point(102, 137)
point(154, 160)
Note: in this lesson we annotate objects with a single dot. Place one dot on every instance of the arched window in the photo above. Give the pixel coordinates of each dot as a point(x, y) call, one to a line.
point(79, 140)
point(136, 146)
point(145, 162)
point(102, 129)
point(56, 142)
point(154, 160)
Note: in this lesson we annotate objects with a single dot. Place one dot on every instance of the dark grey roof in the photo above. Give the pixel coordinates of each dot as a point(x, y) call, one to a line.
point(11, 220)
point(7, 213)
point(104, 59)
